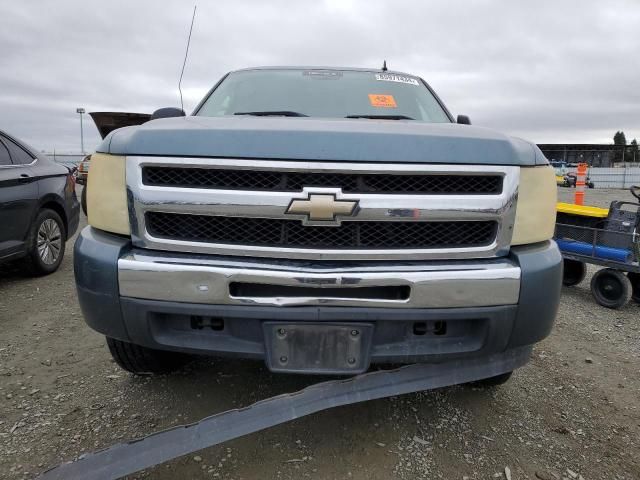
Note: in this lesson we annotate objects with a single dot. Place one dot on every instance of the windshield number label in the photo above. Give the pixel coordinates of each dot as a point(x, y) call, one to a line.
point(382, 101)
point(390, 77)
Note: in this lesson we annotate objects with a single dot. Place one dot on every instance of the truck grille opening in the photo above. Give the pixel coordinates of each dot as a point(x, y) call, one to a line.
point(442, 184)
point(292, 234)
point(259, 290)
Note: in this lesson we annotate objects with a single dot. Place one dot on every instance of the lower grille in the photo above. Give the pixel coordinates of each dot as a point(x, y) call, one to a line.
point(292, 234)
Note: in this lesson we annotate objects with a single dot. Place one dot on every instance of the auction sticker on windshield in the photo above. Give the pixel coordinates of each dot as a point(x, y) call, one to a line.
point(383, 101)
point(392, 77)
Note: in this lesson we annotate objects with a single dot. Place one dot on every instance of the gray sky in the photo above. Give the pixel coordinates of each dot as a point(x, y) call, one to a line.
point(549, 71)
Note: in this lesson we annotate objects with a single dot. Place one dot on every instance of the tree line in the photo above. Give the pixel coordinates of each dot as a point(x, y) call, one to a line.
point(628, 152)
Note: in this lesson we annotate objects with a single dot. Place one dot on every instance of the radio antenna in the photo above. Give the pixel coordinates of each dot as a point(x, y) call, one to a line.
point(186, 54)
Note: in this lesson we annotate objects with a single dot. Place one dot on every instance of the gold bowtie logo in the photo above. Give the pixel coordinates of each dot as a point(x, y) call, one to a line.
point(322, 208)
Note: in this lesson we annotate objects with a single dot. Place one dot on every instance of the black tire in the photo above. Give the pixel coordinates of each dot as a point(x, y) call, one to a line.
point(83, 199)
point(493, 381)
point(611, 288)
point(35, 263)
point(142, 360)
point(573, 272)
point(634, 278)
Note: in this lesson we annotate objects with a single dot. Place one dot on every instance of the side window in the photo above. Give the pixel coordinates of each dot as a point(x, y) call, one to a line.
point(5, 159)
point(18, 154)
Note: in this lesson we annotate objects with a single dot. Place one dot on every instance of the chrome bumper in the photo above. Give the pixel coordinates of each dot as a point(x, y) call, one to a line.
point(432, 285)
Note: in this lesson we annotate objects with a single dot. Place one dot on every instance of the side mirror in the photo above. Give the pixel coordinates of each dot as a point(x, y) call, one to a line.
point(463, 120)
point(168, 112)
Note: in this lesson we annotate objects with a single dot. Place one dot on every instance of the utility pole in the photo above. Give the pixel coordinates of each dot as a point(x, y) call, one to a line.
point(81, 110)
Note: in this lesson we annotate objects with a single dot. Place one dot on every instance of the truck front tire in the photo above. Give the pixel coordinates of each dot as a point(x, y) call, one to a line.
point(493, 381)
point(144, 361)
point(83, 199)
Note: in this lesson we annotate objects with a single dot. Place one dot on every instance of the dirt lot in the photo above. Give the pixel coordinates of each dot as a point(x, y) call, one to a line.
point(573, 411)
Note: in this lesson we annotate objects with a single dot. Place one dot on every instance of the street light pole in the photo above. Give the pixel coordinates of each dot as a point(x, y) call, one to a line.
point(81, 111)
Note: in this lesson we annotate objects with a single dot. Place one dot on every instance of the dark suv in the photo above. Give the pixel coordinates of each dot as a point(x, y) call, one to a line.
point(39, 210)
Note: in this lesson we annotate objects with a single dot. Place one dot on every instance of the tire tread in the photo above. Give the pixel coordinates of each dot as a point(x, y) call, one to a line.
point(634, 278)
point(142, 360)
point(32, 261)
point(577, 269)
point(493, 381)
point(624, 281)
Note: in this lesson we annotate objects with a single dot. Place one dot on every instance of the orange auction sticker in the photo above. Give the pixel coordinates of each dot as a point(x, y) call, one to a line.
point(384, 101)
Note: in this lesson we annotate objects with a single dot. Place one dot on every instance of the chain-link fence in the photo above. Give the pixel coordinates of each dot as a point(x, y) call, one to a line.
point(593, 155)
point(617, 177)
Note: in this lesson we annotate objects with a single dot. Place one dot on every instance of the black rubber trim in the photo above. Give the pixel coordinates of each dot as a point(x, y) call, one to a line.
point(126, 458)
point(260, 290)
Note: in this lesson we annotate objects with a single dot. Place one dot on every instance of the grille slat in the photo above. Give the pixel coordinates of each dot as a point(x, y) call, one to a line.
point(292, 234)
point(441, 184)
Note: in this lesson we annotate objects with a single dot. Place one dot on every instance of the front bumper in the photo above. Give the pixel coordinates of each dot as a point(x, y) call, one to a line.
point(189, 302)
point(228, 281)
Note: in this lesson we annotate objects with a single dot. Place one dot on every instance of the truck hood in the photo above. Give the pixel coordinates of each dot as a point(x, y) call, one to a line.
point(357, 140)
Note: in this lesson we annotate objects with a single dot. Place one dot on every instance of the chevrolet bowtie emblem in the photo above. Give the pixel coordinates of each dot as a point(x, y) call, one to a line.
point(322, 208)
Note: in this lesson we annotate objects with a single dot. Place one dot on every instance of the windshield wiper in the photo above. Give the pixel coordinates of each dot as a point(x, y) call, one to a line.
point(381, 117)
point(275, 113)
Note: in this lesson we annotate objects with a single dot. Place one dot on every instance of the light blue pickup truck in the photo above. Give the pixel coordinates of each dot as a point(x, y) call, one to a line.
point(320, 220)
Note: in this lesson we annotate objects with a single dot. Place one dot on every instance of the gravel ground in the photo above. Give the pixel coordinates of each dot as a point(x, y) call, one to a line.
point(573, 412)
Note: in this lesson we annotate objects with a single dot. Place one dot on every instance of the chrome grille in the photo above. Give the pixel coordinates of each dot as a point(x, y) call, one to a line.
point(242, 207)
point(296, 181)
point(292, 234)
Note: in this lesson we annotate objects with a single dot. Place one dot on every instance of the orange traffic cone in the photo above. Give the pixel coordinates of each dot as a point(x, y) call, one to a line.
point(581, 177)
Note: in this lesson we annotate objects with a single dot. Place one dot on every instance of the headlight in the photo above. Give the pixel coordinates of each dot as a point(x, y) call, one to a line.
point(536, 212)
point(107, 194)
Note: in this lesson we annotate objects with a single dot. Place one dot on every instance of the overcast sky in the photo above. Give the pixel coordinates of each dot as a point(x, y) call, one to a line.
point(549, 71)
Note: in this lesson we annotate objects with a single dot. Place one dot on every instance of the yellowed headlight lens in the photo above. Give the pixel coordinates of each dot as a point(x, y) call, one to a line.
point(107, 194)
point(536, 212)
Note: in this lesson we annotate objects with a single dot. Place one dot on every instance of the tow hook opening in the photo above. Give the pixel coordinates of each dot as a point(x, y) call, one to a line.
point(440, 328)
point(199, 322)
point(420, 328)
point(436, 328)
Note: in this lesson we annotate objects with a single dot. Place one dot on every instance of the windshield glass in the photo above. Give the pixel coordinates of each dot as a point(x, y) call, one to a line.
point(323, 93)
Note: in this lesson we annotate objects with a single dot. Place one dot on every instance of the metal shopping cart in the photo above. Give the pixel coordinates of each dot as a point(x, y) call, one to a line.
point(612, 242)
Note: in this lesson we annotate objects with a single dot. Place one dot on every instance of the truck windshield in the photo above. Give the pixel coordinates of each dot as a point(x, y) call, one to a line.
point(324, 93)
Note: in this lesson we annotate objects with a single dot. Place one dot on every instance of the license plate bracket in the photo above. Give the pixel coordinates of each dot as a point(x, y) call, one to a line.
point(318, 348)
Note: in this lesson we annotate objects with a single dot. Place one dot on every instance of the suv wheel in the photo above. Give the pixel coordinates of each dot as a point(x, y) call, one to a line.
point(142, 360)
point(46, 243)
